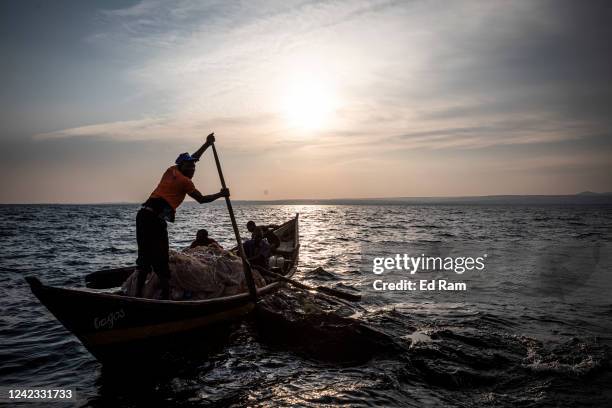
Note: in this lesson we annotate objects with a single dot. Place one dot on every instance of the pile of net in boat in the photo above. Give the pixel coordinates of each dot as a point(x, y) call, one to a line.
point(196, 274)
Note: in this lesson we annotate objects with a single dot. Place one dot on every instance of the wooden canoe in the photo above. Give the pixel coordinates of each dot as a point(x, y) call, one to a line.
point(111, 325)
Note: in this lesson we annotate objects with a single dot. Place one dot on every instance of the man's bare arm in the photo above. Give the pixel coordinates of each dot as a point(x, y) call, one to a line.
point(196, 195)
point(210, 139)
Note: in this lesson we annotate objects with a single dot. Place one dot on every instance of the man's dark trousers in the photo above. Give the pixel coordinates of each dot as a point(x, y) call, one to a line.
point(152, 238)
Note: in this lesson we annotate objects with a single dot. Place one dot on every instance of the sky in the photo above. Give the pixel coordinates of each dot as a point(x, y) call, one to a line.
point(307, 99)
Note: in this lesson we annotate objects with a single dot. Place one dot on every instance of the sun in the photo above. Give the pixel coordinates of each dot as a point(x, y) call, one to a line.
point(309, 103)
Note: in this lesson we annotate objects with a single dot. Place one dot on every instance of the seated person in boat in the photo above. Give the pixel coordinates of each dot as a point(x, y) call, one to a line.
point(257, 249)
point(151, 227)
point(268, 234)
point(202, 239)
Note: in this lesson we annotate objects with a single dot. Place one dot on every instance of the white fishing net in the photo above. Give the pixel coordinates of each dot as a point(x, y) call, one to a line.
point(196, 274)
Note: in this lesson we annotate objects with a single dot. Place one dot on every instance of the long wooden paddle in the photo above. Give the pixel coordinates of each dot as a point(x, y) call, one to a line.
point(245, 263)
point(328, 291)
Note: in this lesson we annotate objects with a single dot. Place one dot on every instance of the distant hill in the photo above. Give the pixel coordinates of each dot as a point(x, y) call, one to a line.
point(590, 193)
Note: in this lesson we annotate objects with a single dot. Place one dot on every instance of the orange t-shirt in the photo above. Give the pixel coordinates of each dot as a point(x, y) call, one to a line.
point(173, 187)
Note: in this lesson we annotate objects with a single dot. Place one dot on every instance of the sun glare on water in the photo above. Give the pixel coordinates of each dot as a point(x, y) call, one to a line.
point(309, 103)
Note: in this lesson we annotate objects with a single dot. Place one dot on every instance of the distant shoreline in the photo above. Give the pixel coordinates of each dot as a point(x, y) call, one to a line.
point(574, 199)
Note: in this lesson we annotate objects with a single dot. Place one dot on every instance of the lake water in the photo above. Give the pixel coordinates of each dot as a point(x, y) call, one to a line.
point(535, 328)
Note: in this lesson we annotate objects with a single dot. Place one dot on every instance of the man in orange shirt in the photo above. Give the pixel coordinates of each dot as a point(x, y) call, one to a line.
point(151, 227)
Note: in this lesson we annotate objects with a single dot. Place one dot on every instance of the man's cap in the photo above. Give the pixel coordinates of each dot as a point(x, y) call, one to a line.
point(185, 157)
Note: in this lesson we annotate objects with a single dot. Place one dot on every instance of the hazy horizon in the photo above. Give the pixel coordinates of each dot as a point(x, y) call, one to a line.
point(588, 197)
point(324, 99)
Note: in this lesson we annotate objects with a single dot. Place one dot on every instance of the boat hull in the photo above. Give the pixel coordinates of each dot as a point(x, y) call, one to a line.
point(110, 326)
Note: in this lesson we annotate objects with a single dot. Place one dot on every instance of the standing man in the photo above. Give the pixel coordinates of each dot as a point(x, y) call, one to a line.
point(151, 227)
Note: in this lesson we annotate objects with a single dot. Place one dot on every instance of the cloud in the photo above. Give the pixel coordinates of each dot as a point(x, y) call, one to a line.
point(141, 129)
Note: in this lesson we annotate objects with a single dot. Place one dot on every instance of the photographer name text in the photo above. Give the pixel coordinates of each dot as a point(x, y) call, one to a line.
point(420, 285)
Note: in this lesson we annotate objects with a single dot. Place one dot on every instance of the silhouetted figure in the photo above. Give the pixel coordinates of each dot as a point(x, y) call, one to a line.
point(267, 233)
point(202, 239)
point(257, 249)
